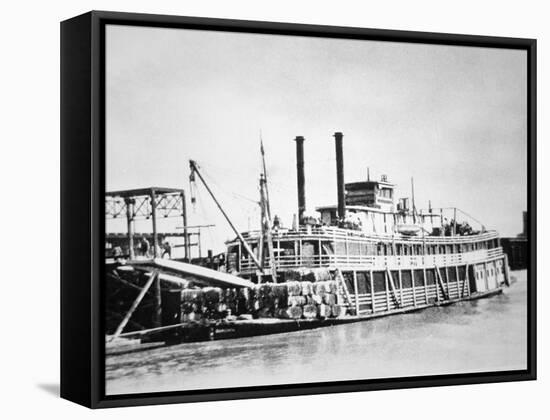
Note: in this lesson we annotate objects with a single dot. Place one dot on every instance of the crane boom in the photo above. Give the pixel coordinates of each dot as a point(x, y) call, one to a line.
point(194, 169)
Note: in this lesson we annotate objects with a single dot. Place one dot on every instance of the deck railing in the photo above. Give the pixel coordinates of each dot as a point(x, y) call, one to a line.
point(366, 262)
point(329, 232)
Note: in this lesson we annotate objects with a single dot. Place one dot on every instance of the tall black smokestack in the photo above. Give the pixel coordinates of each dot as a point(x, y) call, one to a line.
point(340, 176)
point(301, 178)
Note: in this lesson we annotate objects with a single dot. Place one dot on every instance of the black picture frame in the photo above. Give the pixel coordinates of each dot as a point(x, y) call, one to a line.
point(83, 219)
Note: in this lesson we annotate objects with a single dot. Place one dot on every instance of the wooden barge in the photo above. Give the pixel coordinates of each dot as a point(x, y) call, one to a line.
point(377, 259)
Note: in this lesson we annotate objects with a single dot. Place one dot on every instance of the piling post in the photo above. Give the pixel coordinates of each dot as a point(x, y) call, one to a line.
point(129, 222)
point(157, 314)
point(185, 231)
point(154, 222)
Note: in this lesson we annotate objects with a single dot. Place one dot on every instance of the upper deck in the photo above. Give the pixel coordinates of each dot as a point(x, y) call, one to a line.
point(335, 233)
point(325, 246)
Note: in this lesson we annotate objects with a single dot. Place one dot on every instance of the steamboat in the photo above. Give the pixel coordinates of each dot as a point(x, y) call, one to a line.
point(385, 257)
point(365, 257)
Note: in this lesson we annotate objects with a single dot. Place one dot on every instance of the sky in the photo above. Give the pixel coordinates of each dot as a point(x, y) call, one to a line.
point(454, 118)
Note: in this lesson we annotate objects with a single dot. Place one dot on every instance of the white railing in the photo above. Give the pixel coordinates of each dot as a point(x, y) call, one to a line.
point(329, 232)
point(372, 262)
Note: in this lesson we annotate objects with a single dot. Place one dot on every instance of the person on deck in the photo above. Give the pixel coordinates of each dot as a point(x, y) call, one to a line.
point(144, 247)
point(166, 250)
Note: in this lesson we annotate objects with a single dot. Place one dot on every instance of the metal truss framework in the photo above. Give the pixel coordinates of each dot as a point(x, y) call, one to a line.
point(147, 203)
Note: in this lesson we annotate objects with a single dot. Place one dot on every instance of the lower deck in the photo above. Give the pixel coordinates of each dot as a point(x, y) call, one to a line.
point(373, 291)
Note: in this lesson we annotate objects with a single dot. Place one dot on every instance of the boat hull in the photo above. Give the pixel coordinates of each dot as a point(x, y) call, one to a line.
point(224, 329)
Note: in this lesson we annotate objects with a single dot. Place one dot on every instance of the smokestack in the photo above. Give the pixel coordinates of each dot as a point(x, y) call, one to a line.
point(301, 178)
point(340, 176)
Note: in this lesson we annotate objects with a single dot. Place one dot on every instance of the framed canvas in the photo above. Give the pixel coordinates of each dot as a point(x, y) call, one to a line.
point(256, 209)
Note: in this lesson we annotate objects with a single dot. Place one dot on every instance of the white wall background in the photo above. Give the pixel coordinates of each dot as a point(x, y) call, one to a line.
point(29, 173)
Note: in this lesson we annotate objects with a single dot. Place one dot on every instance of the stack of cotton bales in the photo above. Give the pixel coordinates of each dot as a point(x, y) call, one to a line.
point(213, 303)
point(306, 293)
point(299, 299)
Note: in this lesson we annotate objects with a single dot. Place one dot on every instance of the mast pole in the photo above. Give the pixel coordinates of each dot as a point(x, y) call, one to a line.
point(266, 230)
point(412, 197)
point(194, 169)
point(268, 205)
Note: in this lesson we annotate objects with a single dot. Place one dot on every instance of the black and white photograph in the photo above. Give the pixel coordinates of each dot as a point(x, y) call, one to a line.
point(291, 210)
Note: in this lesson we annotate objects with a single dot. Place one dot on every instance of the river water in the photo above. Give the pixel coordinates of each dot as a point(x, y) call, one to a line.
point(482, 335)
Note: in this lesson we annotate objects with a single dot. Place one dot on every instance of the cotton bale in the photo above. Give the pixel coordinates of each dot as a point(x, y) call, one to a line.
point(320, 288)
point(294, 288)
point(329, 299)
point(297, 300)
point(310, 311)
point(316, 299)
point(323, 311)
point(337, 311)
point(307, 288)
